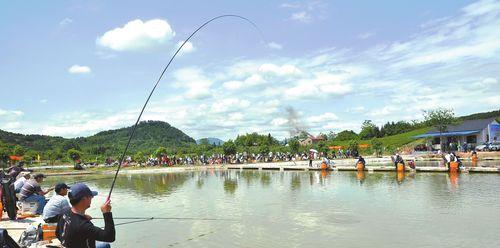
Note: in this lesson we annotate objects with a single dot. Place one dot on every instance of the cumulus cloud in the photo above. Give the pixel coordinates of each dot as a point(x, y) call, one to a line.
point(197, 85)
point(321, 85)
point(79, 69)
point(301, 16)
point(137, 35)
point(274, 45)
point(65, 22)
point(366, 35)
point(284, 70)
point(326, 117)
point(187, 48)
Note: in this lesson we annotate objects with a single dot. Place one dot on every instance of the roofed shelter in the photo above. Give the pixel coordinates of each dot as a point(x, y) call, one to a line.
point(469, 132)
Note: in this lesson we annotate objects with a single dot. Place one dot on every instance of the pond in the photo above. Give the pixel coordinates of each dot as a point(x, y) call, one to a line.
point(303, 209)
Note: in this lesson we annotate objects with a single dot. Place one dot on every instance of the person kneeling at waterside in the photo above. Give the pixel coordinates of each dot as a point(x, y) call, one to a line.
point(361, 161)
point(397, 159)
point(57, 205)
point(74, 228)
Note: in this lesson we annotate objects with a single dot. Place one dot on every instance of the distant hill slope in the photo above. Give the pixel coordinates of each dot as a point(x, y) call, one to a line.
point(211, 141)
point(149, 136)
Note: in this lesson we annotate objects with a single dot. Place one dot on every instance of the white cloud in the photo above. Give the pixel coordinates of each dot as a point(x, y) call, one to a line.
point(366, 35)
point(12, 113)
point(137, 35)
point(44, 101)
point(79, 69)
point(187, 48)
point(196, 83)
point(326, 117)
point(279, 121)
point(274, 45)
point(301, 16)
point(284, 70)
point(65, 22)
point(321, 85)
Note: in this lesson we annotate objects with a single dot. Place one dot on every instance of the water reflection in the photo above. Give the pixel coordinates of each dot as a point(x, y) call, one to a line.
point(400, 177)
point(360, 176)
point(295, 181)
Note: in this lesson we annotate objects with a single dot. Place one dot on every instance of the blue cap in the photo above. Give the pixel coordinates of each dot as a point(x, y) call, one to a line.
point(80, 190)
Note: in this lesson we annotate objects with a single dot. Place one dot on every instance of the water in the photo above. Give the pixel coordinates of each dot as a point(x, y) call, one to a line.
point(305, 209)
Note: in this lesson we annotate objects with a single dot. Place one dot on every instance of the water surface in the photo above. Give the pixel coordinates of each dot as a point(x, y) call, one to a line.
point(304, 209)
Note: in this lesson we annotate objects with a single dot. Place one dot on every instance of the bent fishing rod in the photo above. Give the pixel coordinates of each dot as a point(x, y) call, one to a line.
point(157, 83)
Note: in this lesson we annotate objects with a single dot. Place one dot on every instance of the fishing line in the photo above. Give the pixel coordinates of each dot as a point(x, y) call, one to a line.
point(158, 81)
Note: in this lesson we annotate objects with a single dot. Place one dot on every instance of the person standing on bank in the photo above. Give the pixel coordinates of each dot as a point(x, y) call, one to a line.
point(74, 228)
point(57, 205)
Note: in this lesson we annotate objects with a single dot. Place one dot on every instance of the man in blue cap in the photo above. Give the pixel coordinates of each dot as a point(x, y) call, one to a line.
point(74, 228)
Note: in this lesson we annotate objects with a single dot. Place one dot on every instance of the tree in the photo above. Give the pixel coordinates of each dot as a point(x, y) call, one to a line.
point(322, 147)
point(5, 152)
point(294, 145)
point(346, 135)
point(440, 119)
point(263, 149)
point(161, 151)
point(353, 146)
point(139, 157)
point(369, 130)
point(19, 150)
point(377, 146)
point(229, 147)
point(74, 154)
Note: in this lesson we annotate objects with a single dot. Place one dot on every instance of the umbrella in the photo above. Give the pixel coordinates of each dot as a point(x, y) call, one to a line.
point(312, 150)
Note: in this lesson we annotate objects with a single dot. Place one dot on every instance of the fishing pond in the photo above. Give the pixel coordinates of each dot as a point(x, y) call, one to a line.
point(250, 208)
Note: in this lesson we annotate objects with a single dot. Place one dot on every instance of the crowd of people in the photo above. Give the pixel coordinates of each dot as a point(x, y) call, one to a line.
point(238, 158)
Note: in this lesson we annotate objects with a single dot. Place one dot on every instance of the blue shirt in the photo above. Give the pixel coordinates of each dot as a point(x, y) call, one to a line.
point(57, 205)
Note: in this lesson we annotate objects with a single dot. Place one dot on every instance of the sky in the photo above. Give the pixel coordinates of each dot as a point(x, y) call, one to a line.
point(74, 68)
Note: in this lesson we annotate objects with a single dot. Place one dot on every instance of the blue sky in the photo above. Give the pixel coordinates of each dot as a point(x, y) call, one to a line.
point(73, 68)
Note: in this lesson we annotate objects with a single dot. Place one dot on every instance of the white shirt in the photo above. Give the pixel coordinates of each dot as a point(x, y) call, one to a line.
point(18, 184)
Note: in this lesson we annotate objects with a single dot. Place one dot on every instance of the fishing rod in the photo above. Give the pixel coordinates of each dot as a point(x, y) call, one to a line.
point(144, 219)
point(158, 81)
point(166, 218)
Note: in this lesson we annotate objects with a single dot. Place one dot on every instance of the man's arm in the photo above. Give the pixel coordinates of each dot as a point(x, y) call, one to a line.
point(108, 234)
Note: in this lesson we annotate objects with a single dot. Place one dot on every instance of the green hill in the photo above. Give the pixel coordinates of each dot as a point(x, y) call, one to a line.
point(149, 136)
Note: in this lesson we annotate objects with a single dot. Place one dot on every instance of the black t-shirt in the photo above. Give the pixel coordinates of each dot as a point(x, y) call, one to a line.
point(76, 231)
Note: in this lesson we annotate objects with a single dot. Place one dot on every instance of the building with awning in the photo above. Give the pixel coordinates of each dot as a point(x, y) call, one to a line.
point(469, 133)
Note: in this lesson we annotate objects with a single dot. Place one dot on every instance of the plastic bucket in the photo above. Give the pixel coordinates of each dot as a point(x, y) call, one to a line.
point(324, 166)
point(453, 166)
point(400, 167)
point(360, 166)
point(49, 231)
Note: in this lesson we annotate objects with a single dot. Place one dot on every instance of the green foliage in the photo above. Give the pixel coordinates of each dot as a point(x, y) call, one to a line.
point(161, 151)
point(440, 118)
point(294, 145)
point(139, 157)
point(19, 150)
point(369, 130)
point(263, 149)
point(255, 139)
point(74, 154)
point(346, 135)
point(376, 146)
point(229, 147)
point(353, 145)
point(5, 152)
point(322, 147)
point(393, 128)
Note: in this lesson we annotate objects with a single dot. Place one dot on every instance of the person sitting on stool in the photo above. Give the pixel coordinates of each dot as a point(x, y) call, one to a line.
point(57, 205)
